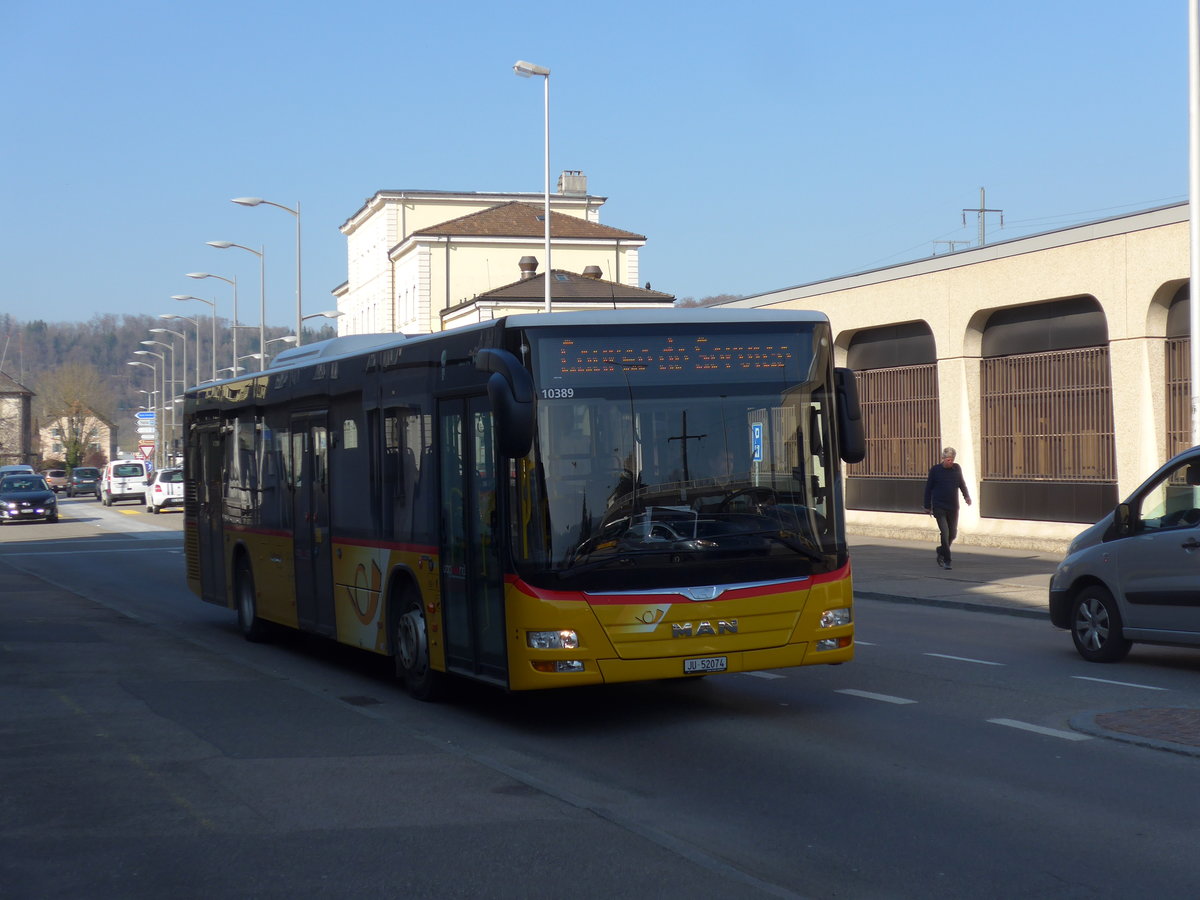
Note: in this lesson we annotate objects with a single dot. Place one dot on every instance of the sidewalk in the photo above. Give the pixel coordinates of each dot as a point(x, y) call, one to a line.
point(1016, 582)
point(1011, 582)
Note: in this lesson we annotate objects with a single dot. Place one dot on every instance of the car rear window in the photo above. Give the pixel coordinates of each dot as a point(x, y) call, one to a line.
point(86, 472)
point(174, 477)
point(129, 471)
point(56, 473)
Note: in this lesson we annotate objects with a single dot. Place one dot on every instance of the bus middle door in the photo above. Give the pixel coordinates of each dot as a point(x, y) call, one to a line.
point(472, 583)
point(312, 552)
point(209, 479)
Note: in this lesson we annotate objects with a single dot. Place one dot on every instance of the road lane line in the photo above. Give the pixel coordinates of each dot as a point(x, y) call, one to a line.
point(868, 695)
point(981, 662)
point(767, 675)
point(1038, 729)
point(1144, 687)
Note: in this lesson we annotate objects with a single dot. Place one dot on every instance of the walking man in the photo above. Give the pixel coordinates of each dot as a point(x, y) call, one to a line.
point(941, 501)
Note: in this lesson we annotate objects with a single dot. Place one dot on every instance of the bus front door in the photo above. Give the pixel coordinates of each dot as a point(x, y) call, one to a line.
point(312, 554)
point(472, 583)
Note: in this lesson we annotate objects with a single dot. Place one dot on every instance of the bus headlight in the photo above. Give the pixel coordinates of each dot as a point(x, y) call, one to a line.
point(832, 618)
point(552, 640)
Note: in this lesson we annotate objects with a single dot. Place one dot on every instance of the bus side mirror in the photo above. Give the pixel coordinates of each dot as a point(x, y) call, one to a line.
point(852, 438)
point(510, 390)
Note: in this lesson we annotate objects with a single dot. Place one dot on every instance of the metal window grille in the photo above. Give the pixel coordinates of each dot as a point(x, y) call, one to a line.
point(1048, 417)
point(1179, 394)
point(902, 421)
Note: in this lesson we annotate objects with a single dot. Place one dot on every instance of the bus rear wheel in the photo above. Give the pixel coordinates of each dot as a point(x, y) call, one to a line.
point(253, 628)
point(411, 646)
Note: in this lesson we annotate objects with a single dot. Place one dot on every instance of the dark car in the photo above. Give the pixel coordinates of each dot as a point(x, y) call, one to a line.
point(84, 480)
point(27, 497)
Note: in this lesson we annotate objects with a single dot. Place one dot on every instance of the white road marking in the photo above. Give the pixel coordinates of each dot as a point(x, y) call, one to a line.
point(1144, 687)
point(1038, 729)
point(981, 662)
point(883, 698)
point(767, 675)
point(863, 643)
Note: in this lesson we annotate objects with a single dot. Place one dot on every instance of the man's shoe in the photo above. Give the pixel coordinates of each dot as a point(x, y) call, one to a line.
point(947, 565)
point(941, 563)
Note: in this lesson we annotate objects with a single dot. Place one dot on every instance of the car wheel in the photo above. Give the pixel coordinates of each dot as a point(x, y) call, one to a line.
point(1096, 626)
point(253, 628)
point(52, 519)
point(106, 500)
point(411, 646)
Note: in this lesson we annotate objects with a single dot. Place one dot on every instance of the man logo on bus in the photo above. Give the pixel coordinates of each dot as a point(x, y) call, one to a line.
point(724, 626)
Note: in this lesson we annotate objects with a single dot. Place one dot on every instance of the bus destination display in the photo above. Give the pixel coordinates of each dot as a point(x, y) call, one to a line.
point(581, 360)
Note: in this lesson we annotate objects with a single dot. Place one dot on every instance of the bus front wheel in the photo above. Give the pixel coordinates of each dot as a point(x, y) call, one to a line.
point(411, 639)
point(253, 628)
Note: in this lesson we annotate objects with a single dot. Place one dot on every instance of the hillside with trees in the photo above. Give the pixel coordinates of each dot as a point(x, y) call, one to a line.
point(79, 368)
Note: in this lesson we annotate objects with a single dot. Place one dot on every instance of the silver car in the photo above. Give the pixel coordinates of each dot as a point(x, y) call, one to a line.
point(1134, 575)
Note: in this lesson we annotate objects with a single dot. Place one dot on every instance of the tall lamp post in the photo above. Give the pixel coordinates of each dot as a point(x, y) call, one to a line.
point(195, 322)
point(259, 201)
point(528, 70)
point(157, 417)
point(230, 281)
point(183, 338)
point(213, 304)
point(262, 286)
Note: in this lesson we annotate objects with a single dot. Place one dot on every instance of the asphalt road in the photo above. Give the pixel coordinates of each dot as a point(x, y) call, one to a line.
point(149, 751)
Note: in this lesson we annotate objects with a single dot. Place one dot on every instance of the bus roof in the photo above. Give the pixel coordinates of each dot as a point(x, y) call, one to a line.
point(353, 344)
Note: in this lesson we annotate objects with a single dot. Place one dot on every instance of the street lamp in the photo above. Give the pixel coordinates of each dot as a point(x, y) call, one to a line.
point(230, 281)
point(259, 201)
point(262, 286)
point(182, 337)
point(213, 304)
point(528, 70)
point(195, 322)
point(325, 314)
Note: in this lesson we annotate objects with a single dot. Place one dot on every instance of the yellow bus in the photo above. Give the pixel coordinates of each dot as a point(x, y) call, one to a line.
point(540, 501)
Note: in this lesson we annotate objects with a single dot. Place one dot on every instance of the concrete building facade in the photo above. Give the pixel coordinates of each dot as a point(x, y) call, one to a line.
point(1056, 364)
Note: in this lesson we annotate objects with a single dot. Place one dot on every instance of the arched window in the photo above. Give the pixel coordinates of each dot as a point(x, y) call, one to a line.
point(1046, 413)
point(896, 367)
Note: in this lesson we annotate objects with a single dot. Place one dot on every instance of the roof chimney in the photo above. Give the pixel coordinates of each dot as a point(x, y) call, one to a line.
point(528, 266)
point(572, 183)
point(592, 272)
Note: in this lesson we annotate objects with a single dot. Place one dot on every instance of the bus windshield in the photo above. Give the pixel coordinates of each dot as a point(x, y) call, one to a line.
point(674, 458)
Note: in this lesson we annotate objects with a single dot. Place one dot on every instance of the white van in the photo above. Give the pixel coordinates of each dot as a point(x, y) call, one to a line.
point(1132, 576)
point(123, 479)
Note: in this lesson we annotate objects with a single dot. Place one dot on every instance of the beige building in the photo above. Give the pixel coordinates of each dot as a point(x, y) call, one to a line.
point(99, 436)
point(16, 417)
point(414, 255)
point(1056, 364)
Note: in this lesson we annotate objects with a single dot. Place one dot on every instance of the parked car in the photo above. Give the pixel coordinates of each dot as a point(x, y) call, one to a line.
point(123, 479)
point(26, 496)
point(1133, 575)
point(16, 469)
point(56, 478)
point(165, 489)
point(84, 480)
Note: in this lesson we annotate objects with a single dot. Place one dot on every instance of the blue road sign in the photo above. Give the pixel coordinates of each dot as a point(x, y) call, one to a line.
point(144, 415)
point(756, 441)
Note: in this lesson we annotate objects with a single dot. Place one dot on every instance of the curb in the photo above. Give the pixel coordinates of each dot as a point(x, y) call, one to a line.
point(1086, 724)
point(1022, 611)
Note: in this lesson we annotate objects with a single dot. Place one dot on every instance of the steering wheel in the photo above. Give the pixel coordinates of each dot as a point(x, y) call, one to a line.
point(760, 497)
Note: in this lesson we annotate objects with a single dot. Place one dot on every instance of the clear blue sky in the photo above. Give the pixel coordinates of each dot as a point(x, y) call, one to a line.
point(757, 145)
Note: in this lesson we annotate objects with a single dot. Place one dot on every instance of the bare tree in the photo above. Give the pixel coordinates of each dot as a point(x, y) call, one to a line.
point(72, 400)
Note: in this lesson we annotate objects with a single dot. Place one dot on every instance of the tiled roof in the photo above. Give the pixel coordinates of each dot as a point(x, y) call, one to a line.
point(525, 221)
point(570, 286)
point(9, 385)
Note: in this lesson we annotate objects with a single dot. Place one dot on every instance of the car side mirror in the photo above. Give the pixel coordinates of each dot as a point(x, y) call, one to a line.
point(1122, 521)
